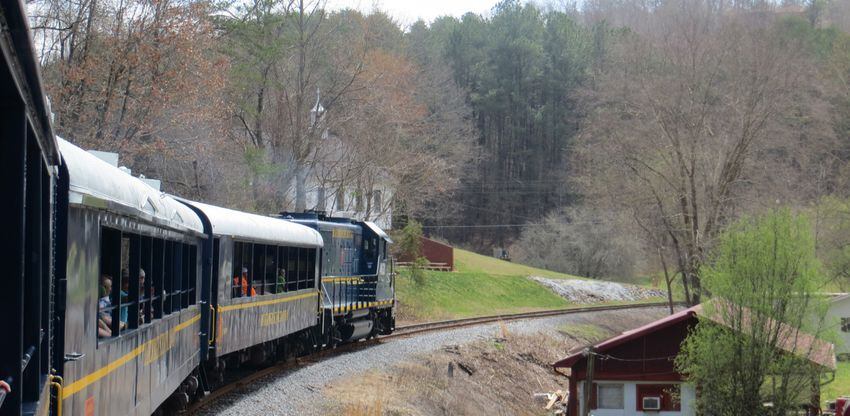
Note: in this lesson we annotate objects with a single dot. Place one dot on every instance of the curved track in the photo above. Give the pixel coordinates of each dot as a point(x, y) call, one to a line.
point(401, 332)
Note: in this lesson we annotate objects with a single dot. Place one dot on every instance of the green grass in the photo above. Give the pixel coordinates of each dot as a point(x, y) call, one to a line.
point(467, 261)
point(481, 285)
point(838, 387)
point(447, 295)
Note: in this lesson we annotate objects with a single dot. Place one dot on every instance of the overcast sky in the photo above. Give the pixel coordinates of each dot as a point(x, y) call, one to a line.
point(406, 12)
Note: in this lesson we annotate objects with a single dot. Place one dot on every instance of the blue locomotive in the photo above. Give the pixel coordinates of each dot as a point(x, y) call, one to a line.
point(356, 276)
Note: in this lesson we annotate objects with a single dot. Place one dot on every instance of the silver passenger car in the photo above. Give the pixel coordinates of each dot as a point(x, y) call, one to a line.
point(265, 284)
point(131, 312)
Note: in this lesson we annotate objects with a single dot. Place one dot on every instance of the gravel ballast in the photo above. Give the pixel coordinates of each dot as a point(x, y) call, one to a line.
point(594, 291)
point(300, 391)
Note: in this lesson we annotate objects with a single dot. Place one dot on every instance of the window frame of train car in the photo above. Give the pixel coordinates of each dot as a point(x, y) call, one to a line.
point(164, 245)
point(243, 246)
point(30, 163)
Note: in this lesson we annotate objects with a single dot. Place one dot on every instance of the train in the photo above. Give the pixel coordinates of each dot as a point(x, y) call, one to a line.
point(119, 299)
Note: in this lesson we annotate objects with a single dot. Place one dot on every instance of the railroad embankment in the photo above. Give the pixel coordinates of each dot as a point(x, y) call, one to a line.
point(502, 368)
point(483, 285)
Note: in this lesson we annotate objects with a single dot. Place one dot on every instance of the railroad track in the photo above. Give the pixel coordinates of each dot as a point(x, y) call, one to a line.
point(407, 330)
point(403, 331)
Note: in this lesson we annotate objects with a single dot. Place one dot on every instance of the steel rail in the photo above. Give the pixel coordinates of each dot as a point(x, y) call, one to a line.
point(412, 329)
point(403, 331)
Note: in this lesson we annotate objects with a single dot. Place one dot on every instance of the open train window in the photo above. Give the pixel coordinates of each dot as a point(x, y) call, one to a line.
point(236, 273)
point(168, 278)
point(292, 269)
point(177, 277)
point(108, 284)
point(156, 276)
point(270, 270)
point(130, 271)
point(257, 269)
point(145, 284)
point(193, 274)
point(247, 269)
point(282, 277)
point(303, 267)
point(311, 268)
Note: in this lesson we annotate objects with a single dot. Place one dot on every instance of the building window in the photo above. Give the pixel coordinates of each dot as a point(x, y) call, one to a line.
point(609, 396)
point(845, 324)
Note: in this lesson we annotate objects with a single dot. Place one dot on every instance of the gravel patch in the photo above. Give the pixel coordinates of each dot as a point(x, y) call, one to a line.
point(590, 291)
point(300, 391)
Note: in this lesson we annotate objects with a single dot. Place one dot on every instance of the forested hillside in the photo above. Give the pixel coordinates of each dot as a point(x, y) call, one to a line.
point(601, 138)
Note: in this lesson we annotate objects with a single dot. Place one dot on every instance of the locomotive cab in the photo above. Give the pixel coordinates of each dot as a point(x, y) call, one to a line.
point(356, 277)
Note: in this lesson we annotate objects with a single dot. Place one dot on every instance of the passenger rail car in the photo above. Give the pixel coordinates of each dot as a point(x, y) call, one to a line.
point(357, 279)
point(132, 318)
point(29, 161)
point(263, 293)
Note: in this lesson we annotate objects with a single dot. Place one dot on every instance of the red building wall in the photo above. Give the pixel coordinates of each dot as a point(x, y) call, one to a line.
point(646, 358)
point(435, 252)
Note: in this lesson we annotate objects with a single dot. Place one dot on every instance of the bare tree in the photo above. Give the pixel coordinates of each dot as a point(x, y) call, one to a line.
point(676, 120)
point(137, 77)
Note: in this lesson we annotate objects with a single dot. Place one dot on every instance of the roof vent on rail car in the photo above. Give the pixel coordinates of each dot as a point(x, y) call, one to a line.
point(306, 215)
point(150, 206)
point(112, 159)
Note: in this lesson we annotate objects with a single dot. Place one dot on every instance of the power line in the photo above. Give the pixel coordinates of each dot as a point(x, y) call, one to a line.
point(483, 226)
point(591, 222)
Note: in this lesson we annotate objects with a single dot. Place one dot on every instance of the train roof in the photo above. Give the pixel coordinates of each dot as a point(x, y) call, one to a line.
point(20, 77)
point(96, 183)
point(377, 230)
point(318, 219)
point(255, 227)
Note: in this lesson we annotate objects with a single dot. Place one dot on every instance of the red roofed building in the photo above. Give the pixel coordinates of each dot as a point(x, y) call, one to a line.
point(634, 373)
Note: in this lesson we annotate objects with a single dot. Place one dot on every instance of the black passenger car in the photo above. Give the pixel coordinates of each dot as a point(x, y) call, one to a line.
point(29, 162)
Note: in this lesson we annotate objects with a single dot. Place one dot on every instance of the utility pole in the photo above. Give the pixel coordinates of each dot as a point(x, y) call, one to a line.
point(590, 356)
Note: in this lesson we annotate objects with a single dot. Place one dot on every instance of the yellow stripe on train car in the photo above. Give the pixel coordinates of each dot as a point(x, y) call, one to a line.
point(267, 302)
point(102, 372)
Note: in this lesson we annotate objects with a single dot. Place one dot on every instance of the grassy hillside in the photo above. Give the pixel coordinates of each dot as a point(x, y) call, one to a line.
point(467, 261)
point(481, 286)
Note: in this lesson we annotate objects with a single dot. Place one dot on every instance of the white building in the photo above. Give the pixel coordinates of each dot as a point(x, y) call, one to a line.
point(838, 319)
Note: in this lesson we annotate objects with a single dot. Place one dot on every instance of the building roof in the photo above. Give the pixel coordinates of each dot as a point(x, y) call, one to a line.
point(255, 227)
point(96, 183)
point(837, 297)
point(796, 342)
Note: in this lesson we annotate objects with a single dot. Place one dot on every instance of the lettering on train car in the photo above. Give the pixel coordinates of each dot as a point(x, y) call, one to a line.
point(342, 233)
point(158, 346)
point(272, 318)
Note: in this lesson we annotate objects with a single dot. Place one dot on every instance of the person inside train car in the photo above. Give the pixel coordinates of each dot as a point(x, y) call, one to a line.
point(103, 319)
point(144, 298)
point(240, 285)
point(281, 280)
point(125, 296)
